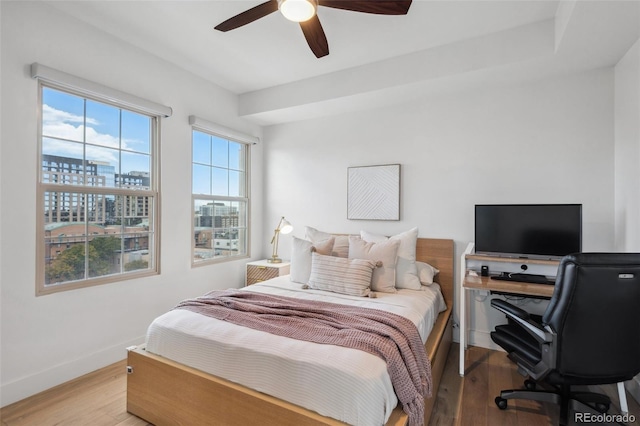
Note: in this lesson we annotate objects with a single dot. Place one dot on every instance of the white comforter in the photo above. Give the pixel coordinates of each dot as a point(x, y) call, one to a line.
point(342, 383)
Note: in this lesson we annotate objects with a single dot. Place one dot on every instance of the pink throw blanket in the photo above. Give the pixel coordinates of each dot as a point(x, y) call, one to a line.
point(391, 337)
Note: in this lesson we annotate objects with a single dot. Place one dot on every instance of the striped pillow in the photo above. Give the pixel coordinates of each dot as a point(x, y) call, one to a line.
point(341, 275)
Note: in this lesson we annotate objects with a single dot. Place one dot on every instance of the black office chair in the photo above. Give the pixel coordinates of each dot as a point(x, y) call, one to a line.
point(588, 335)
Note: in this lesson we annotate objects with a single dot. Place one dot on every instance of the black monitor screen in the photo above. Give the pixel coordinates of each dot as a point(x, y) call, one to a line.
point(538, 230)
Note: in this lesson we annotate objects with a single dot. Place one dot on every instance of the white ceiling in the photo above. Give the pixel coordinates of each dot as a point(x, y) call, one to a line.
point(373, 59)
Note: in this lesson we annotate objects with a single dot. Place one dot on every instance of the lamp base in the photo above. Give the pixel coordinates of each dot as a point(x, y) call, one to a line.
point(274, 259)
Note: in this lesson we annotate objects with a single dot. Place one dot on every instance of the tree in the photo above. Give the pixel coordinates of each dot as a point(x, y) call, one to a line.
point(105, 246)
point(135, 265)
point(70, 264)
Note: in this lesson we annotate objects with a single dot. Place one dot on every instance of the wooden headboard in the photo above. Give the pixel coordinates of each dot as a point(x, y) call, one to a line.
point(439, 253)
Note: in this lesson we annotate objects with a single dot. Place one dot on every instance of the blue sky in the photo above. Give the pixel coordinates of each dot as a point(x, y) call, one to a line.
point(118, 137)
point(217, 165)
point(100, 132)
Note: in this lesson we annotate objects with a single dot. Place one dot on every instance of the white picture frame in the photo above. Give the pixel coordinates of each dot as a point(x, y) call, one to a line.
point(373, 192)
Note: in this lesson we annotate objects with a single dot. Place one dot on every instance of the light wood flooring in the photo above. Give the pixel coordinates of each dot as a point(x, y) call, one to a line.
point(470, 400)
point(98, 398)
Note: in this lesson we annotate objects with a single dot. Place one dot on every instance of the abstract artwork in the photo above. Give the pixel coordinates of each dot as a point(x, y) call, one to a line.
point(373, 192)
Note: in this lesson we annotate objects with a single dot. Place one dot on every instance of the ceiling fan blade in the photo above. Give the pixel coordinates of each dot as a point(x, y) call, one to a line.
point(314, 34)
point(248, 16)
point(380, 7)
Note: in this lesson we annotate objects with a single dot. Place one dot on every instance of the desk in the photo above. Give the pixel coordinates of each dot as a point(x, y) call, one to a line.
point(476, 283)
point(471, 281)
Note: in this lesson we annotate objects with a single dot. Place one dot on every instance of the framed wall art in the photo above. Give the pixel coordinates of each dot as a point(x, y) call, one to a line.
point(373, 192)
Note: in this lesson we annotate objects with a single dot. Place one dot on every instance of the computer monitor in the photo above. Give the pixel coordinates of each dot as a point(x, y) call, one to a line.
point(528, 230)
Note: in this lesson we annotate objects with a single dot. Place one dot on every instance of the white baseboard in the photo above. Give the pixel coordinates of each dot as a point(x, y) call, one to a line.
point(61, 373)
point(482, 339)
point(477, 338)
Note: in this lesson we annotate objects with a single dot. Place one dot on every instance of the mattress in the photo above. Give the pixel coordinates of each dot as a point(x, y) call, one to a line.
point(346, 384)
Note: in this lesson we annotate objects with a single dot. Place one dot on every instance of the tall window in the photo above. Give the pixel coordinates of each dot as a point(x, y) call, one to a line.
point(97, 191)
point(220, 197)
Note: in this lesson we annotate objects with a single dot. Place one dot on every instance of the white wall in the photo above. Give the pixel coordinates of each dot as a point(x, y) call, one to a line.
point(627, 150)
point(0, 196)
point(543, 142)
point(50, 339)
point(549, 141)
point(627, 160)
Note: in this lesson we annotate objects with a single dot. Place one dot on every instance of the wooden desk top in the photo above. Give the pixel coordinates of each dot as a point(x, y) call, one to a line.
point(517, 287)
point(519, 260)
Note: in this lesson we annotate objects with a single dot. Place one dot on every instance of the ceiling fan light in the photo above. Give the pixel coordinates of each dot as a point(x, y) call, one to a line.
point(297, 10)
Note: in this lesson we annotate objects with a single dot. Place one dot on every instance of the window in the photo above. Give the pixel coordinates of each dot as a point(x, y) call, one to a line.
point(97, 191)
point(220, 197)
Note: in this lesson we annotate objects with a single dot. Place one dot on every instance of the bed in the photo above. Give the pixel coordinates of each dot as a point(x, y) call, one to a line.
point(163, 391)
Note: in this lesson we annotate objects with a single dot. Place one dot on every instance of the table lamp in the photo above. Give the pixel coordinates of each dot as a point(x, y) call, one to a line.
point(283, 227)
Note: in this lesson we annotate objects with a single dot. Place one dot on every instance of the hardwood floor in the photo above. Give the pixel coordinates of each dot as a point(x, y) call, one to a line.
point(470, 400)
point(98, 398)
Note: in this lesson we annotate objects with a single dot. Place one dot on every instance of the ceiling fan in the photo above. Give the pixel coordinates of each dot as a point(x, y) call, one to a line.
point(304, 12)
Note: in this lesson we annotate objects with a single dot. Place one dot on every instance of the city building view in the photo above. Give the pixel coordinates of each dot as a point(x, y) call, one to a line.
point(98, 233)
point(216, 230)
point(115, 228)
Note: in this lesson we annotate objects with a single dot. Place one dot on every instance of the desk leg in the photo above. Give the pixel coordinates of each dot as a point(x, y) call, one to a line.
point(624, 408)
point(463, 327)
point(462, 306)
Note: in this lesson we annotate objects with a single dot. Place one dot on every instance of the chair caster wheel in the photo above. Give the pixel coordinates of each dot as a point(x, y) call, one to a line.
point(530, 384)
point(501, 403)
point(601, 407)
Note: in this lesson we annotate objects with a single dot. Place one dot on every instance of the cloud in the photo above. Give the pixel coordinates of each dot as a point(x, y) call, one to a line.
point(64, 125)
point(75, 150)
point(52, 115)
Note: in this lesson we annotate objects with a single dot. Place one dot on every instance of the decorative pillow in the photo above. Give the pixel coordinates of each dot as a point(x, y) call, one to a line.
point(340, 246)
point(406, 272)
point(384, 277)
point(301, 257)
point(340, 275)
point(426, 273)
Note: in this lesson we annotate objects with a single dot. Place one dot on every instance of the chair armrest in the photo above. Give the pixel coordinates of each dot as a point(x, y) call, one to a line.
point(521, 317)
point(509, 309)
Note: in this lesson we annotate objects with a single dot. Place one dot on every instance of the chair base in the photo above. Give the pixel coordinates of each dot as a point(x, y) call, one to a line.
point(594, 403)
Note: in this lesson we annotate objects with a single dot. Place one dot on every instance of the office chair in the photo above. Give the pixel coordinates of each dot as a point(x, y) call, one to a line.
point(588, 335)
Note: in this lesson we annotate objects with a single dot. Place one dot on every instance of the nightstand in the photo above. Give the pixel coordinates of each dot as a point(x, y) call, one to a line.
point(261, 270)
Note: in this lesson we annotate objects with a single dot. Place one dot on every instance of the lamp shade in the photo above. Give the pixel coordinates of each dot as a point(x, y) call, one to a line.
point(285, 226)
point(297, 10)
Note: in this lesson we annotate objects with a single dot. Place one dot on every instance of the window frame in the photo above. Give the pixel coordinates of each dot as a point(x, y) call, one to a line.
point(43, 187)
point(214, 130)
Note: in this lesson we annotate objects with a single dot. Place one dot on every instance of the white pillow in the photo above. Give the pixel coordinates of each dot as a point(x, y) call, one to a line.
point(407, 272)
point(340, 275)
point(301, 257)
point(426, 272)
point(340, 246)
point(384, 276)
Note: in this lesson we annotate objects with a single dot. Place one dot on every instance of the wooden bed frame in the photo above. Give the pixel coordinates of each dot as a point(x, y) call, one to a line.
point(165, 392)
